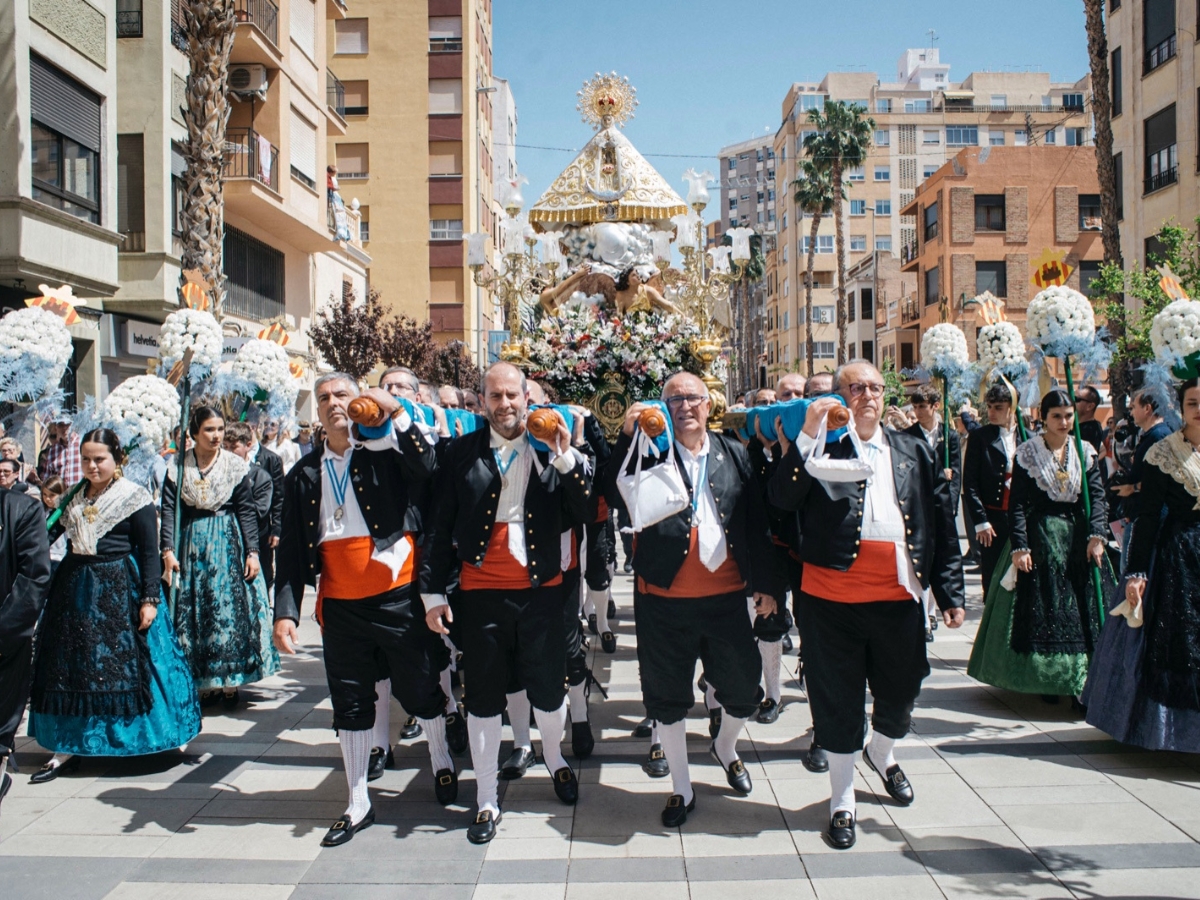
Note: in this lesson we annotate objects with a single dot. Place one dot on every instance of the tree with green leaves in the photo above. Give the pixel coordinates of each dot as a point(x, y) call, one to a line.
point(841, 142)
point(813, 193)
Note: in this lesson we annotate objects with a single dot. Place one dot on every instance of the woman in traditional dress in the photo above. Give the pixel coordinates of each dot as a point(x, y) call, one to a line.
point(1039, 637)
point(1144, 684)
point(110, 678)
point(221, 609)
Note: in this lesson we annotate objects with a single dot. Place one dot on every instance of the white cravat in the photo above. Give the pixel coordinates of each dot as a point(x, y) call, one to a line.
point(709, 535)
point(351, 523)
point(513, 460)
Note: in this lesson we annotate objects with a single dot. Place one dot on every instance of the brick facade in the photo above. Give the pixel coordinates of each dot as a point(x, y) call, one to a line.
point(1016, 215)
point(962, 215)
point(1016, 267)
point(1066, 214)
point(962, 275)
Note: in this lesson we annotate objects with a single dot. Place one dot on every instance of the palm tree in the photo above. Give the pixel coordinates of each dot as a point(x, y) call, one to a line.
point(841, 142)
point(814, 196)
point(209, 25)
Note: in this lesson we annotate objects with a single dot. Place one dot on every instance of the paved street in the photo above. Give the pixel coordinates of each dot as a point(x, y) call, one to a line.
point(1014, 799)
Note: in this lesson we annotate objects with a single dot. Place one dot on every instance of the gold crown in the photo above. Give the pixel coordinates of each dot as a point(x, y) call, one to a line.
point(607, 100)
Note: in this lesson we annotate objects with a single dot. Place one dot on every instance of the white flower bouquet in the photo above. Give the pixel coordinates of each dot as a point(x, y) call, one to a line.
point(35, 348)
point(260, 372)
point(1060, 322)
point(194, 328)
point(142, 411)
point(1175, 337)
point(1001, 348)
point(944, 351)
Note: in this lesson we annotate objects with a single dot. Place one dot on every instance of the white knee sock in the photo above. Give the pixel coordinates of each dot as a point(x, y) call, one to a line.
point(710, 696)
point(674, 743)
point(435, 735)
point(485, 749)
point(356, 756)
point(577, 697)
point(841, 783)
point(598, 600)
point(726, 742)
point(587, 607)
point(882, 750)
point(772, 659)
point(654, 732)
point(451, 706)
point(518, 717)
point(551, 726)
point(381, 734)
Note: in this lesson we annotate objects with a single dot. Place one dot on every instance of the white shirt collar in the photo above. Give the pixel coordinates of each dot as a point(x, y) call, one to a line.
point(329, 454)
point(703, 451)
point(877, 439)
point(499, 442)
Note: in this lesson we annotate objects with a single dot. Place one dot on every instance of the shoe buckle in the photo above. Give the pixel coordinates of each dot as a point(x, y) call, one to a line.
point(737, 768)
point(897, 778)
point(564, 775)
point(445, 780)
point(339, 825)
point(842, 820)
point(483, 817)
point(674, 800)
point(656, 754)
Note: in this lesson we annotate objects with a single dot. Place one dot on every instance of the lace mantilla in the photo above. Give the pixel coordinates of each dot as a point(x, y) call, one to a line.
point(1037, 459)
point(216, 487)
point(1174, 456)
point(87, 521)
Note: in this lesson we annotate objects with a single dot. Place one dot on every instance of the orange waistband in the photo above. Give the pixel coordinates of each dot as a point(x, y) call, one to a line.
point(871, 577)
point(500, 570)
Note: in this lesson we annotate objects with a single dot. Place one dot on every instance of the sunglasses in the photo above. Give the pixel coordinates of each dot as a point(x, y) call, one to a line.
point(689, 400)
point(858, 388)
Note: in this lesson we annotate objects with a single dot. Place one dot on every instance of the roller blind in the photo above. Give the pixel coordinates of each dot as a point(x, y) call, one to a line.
point(304, 146)
point(445, 96)
point(445, 27)
point(63, 104)
point(350, 36)
point(304, 26)
point(353, 159)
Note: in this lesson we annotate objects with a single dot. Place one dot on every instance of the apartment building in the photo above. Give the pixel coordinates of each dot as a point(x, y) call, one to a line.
point(1154, 66)
point(922, 118)
point(58, 181)
point(986, 219)
point(420, 157)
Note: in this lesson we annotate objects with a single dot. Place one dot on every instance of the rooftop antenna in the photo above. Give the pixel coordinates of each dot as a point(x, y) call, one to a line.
point(932, 36)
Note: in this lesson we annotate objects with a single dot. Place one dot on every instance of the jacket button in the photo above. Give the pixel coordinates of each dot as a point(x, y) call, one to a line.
point(368, 509)
point(794, 478)
point(493, 496)
point(918, 574)
point(906, 518)
point(483, 543)
point(854, 556)
point(532, 547)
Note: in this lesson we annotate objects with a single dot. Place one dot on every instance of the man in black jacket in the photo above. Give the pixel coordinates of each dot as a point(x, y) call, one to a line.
point(499, 512)
point(348, 517)
point(987, 479)
point(693, 570)
point(268, 460)
point(878, 533)
point(24, 583)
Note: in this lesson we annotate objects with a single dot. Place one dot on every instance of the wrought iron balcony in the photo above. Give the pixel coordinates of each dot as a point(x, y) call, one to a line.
point(249, 155)
point(335, 93)
point(263, 13)
point(1161, 180)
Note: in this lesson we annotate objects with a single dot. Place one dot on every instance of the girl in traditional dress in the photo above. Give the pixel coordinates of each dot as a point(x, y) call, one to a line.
point(110, 678)
point(1144, 685)
point(1037, 637)
point(221, 611)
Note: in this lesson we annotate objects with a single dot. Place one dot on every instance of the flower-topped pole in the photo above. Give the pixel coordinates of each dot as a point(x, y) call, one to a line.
point(1000, 349)
point(944, 354)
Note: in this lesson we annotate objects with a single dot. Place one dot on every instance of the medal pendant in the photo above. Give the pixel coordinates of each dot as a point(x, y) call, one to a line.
point(90, 513)
point(338, 513)
point(1062, 477)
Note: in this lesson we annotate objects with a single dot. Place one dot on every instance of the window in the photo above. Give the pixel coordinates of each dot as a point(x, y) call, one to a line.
point(962, 136)
point(65, 142)
point(131, 191)
point(989, 212)
point(999, 101)
point(771, 196)
point(254, 276)
point(1021, 138)
point(883, 242)
point(1076, 137)
point(364, 225)
point(783, 256)
point(928, 172)
point(785, 313)
point(931, 221)
point(883, 105)
point(823, 350)
point(760, 156)
point(353, 160)
point(445, 34)
point(931, 137)
point(883, 138)
point(356, 97)
point(1051, 136)
point(867, 303)
point(303, 26)
point(918, 106)
point(851, 314)
point(178, 189)
point(1089, 271)
point(1089, 212)
point(784, 227)
point(823, 315)
point(858, 173)
point(1118, 168)
point(812, 101)
point(858, 207)
point(445, 229)
point(883, 207)
point(129, 18)
point(858, 243)
point(995, 138)
point(991, 276)
point(445, 158)
point(445, 96)
point(868, 350)
point(1115, 68)
point(883, 173)
point(824, 243)
point(350, 36)
point(304, 150)
point(732, 164)
point(931, 286)
point(1072, 101)
point(1162, 158)
point(1114, 5)
point(1158, 35)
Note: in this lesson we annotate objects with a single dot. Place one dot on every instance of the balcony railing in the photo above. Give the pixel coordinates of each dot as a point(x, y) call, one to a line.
point(910, 310)
point(178, 26)
point(990, 108)
point(335, 93)
point(262, 13)
point(909, 252)
point(1161, 180)
point(129, 23)
point(249, 155)
point(1158, 55)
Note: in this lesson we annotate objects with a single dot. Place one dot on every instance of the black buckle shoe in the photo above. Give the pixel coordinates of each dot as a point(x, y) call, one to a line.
point(816, 760)
point(841, 830)
point(592, 624)
point(895, 782)
point(768, 712)
point(644, 728)
point(445, 786)
point(735, 773)
point(608, 642)
point(48, 772)
point(483, 829)
point(582, 741)
point(379, 762)
point(343, 832)
point(566, 786)
point(612, 609)
point(517, 763)
point(456, 733)
point(411, 730)
point(714, 722)
point(656, 765)
point(676, 811)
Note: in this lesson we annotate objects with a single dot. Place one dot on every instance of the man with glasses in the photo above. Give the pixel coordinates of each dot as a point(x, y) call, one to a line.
point(871, 549)
point(10, 478)
point(693, 572)
point(1087, 401)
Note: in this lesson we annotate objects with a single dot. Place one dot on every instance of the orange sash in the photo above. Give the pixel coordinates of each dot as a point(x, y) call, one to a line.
point(695, 580)
point(500, 570)
point(349, 573)
point(872, 576)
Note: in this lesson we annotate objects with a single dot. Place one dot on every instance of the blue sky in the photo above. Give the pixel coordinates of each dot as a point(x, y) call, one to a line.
point(710, 74)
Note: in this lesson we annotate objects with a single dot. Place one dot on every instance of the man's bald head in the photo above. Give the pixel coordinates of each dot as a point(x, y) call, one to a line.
point(789, 387)
point(818, 384)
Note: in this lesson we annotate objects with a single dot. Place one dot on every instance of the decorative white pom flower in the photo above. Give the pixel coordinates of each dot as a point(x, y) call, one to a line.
point(146, 406)
point(263, 363)
point(194, 328)
point(1000, 346)
point(944, 350)
point(1175, 333)
point(35, 348)
point(1061, 322)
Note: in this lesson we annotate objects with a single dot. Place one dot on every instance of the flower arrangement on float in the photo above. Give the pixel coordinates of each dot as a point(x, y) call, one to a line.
point(1001, 348)
point(944, 354)
point(261, 376)
point(1061, 323)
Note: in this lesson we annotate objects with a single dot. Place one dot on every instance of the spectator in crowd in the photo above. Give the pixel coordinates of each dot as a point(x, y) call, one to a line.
point(1087, 400)
point(10, 449)
point(304, 439)
point(819, 385)
point(450, 397)
point(471, 401)
point(61, 456)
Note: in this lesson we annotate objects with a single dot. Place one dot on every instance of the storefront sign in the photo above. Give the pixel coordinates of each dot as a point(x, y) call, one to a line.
point(141, 338)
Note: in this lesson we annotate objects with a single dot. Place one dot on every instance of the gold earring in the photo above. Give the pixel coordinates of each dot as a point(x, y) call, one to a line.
point(118, 474)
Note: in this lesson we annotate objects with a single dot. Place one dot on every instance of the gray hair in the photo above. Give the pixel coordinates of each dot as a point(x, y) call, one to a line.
point(410, 375)
point(837, 373)
point(335, 376)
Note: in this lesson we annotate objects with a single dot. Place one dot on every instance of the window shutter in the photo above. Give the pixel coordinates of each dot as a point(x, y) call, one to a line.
point(351, 36)
point(352, 160)
point(445, 28)
point(131, 179)
point(304, 26)
point(445, 96)
point(304, 146)
point(63, 104)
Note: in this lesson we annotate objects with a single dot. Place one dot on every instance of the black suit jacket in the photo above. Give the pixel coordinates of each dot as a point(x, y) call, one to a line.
point(984, 474)
point(24, 568)
point(270, 461)
point(661, 548)
point(785, 523)
point(464, 511)
point(956, 460)
point(831, 513)
point(381, 480)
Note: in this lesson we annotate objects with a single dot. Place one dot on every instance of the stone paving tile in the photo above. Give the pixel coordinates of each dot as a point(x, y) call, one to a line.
point(1124, 856)
point(663, 890)
point(1178, 884)
point(1017, 886)
point(383, 892)
point(520, 892)
point(743, 868)
point(1087, 823)
point(894, 887)
point(392, 871)
point(515, 871)
point(229, 871)
point(147, 890)
point(640, 870)
point(860, 862)
point(62, 877)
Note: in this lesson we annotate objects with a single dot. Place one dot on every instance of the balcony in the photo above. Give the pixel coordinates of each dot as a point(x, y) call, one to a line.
point(335, 93)
point(1159, 55)
point(178, 27)
point(248, 155)
point(1162, 179)
point(989, 108)
point(909, 252)
point(910, 310)
point(263, 14)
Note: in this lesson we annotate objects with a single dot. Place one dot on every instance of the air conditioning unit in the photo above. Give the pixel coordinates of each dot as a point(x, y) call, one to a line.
point(248, 79)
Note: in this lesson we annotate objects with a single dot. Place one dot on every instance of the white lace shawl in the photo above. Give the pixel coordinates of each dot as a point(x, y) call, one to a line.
point(1174, 456)
point(122, 499)
point(225, 475)
point(1036, 458)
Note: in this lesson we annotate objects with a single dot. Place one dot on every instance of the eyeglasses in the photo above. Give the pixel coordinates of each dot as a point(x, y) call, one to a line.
point(689, 400)
point(858, 388)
